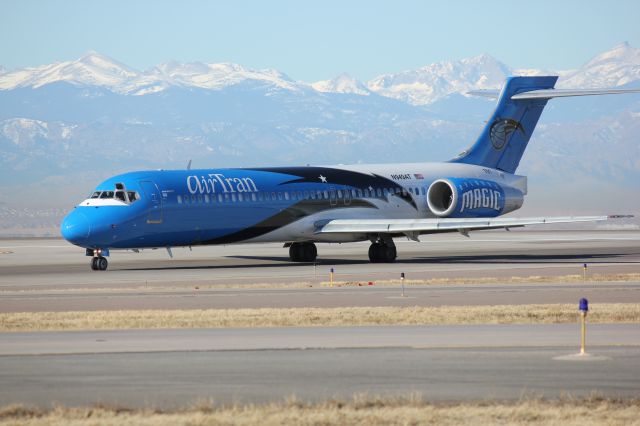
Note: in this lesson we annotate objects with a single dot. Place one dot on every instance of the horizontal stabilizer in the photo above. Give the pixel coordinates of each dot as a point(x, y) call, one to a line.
point(552, 93)
point(562, 93)
point(427, 226)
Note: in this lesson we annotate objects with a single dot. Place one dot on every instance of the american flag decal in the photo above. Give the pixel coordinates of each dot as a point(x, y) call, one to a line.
point(418, 176)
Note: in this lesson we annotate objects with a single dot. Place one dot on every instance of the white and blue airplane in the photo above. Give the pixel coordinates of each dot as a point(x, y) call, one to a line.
point(301, 206)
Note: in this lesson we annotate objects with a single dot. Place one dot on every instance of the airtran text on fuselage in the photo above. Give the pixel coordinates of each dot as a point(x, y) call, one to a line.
point(217, 182)
point(480, 198)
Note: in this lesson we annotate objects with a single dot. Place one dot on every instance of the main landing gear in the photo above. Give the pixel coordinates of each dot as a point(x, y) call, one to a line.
point(99, 263)
point(382, 252)
point(303, 252)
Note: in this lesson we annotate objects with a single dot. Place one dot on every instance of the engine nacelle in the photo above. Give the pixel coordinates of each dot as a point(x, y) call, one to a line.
point(465, 197)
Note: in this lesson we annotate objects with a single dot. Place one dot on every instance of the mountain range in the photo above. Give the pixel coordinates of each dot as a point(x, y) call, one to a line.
point(423, 86)
point(65, 126)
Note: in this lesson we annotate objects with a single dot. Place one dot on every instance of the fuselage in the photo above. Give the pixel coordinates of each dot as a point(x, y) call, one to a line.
point(165, 208)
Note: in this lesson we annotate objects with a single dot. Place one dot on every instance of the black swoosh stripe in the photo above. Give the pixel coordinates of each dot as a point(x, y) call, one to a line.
point(340, 177)
point(283, 218)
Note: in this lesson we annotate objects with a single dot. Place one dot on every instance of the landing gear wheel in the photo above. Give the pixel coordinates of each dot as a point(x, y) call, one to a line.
point(102, 263)
point(303, 252)
point(99, 263)
point(382, 253)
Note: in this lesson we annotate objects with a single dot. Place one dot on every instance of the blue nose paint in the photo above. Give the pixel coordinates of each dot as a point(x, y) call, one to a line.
point(75, 228)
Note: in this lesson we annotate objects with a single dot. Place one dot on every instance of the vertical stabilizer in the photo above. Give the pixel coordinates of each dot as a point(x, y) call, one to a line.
point(505, 137)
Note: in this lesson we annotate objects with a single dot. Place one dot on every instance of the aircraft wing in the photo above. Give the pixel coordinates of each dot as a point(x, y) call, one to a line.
point(413, 227)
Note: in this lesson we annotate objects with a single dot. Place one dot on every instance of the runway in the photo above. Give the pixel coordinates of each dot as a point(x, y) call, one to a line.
point(434, 295)
point(51, 275)
point(170, 368)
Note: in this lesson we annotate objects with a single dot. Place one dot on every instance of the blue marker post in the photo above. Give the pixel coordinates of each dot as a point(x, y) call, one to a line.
point(402, 282)
point(584, 272)
point(583, 308)
point(331, 277)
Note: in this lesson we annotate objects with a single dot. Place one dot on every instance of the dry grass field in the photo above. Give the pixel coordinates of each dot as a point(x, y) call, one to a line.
point(361, 409)
point(307, 317)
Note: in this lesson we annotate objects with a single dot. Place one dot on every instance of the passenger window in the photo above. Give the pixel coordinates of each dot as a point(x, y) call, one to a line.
point(179, 199)
point(219, 198)
point(286, 195)
point(193, 199)
point(200, 198)
point(226, 198)
point(279, 196)
point(294, 195)
point(339, 193)
point(273, 196)
point(206, 199)
point(306, 194)
point(233, 197)
point(319, 195)
point(300, 195)
point(240, 197)
point(379, 191)
point(253, 196)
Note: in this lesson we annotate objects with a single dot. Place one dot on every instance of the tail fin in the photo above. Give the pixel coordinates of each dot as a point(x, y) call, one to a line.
point(505, 137)
point(520, 103)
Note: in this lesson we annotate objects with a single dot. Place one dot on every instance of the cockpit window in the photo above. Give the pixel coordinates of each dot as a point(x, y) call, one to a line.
point(120, 194)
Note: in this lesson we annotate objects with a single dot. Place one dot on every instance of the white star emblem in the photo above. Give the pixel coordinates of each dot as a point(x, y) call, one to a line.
point(370, 188)
point(323, 179)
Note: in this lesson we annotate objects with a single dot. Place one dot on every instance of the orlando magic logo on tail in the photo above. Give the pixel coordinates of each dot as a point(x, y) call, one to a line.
point(507, 133)
point(301, 206)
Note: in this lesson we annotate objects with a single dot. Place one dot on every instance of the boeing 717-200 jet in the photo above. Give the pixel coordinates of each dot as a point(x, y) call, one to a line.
point(301, 206)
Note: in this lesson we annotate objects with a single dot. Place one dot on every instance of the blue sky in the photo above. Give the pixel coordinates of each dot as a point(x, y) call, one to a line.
point(313, 40)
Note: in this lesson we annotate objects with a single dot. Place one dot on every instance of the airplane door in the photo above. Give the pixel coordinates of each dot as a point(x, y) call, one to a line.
point(333, 198)
point(152, 192)
point(347, 196)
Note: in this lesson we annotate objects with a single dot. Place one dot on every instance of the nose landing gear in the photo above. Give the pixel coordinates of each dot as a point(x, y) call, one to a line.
point(98, 258)
point(99, 263)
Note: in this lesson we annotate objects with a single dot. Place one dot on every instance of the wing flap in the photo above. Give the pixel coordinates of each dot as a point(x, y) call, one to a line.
point(411, 226)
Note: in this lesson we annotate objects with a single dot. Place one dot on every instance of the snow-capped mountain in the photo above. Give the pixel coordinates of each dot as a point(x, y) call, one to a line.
point(422, 86)
point(92, 69)
point(432, 82)
point(343, 83)
point(615, 67)
point(215, 76)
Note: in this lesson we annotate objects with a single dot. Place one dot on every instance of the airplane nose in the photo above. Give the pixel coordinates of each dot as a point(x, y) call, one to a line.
point(75, 228)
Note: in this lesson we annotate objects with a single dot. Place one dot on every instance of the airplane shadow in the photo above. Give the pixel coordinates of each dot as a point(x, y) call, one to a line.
point(284, 262)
